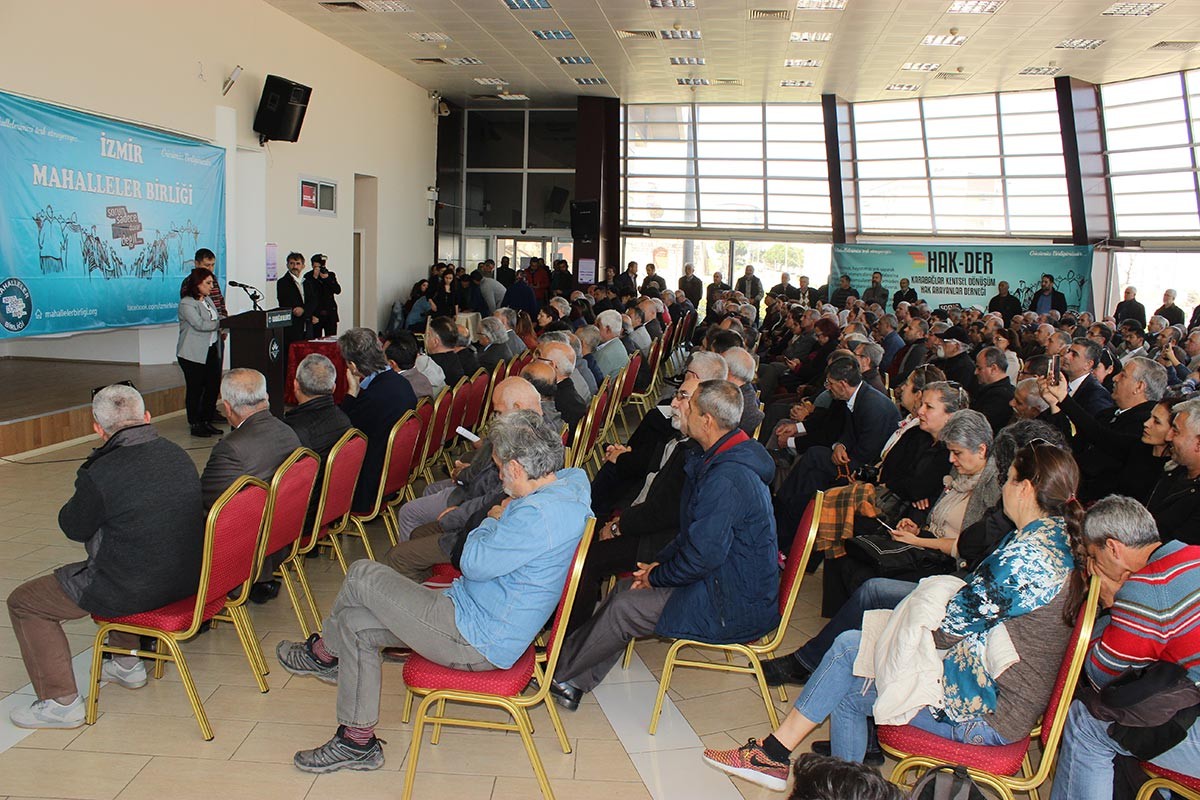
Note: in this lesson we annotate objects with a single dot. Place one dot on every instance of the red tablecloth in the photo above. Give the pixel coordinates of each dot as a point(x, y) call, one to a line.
point(327, 347)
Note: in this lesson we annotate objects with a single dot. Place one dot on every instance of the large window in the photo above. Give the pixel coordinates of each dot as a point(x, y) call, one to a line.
point(1152, 274)
point(1152, 127)
point(727, 167)
point(988, 164)
point(520, 169)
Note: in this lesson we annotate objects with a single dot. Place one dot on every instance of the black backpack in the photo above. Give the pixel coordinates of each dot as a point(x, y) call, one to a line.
point(947, 783)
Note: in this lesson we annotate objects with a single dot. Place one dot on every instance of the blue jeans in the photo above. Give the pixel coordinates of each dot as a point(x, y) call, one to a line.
point(835, 692)
point(877, 593)
point(1085, 765)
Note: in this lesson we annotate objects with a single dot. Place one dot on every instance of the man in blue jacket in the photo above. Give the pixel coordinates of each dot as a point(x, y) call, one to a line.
point(718, 580)
point(514, 566)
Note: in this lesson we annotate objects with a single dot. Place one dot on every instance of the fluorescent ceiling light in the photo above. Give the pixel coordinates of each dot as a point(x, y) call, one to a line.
point(1040, 71)
point(944, 40)
point(802, 62)
point(975, 6)
point(914, 66)
point(430, 37)
point(903, 87)
point(513, 96)
point(693, 81)
point(687, 61)
point(1079, 44)
point(491, 81)
point(465, 61)
point(682, 33)
point(554, 34)
point(811, 36)
point(1132, 9)
point(796, 84)
point(527, 5)
point(820, 5)
point(672, 3)
point(574, 59)
point(384, 6)
point(591, 81)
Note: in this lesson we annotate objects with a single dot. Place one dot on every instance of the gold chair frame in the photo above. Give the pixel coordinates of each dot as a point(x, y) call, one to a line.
point(379, 508)
point(1157, 782)
point(172, 640)
point(517, 707)
point(753, 653)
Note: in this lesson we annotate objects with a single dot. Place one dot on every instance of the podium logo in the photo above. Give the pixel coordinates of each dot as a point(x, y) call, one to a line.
point(15, 305)
point(273, 350)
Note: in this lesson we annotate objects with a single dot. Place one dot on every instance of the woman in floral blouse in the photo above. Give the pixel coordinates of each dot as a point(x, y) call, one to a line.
point(1029, 583)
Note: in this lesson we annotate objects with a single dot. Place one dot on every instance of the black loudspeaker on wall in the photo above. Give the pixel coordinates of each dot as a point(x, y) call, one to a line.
point(585, 220)
point(281, 109)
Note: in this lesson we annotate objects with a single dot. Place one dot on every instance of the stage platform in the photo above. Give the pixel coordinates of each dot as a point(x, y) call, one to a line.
point(45, 402)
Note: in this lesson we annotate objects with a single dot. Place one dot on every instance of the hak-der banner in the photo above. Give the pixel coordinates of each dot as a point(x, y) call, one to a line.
point(966, 275)
point(99, 219)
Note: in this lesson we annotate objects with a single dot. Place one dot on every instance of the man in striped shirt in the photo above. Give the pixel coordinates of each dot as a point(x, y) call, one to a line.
point(1153, 592)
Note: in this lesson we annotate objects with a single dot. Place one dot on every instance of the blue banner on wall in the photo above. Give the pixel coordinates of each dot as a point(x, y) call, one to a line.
point(966, 275)
point(99, 219)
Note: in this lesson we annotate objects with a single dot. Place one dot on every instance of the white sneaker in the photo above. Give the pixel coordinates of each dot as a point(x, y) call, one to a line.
point(49, 714)
point(129, 677)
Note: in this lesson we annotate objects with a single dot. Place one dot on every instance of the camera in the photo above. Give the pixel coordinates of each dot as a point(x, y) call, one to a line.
point(868, 473)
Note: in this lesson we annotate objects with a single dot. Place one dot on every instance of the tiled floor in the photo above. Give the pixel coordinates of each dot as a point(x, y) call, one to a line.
point(146, 743)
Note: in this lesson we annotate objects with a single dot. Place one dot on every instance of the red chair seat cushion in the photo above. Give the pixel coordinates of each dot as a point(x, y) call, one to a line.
point(421, 673)
point(444, 573)
point(173, 618)
point(1186, 781)
point(996, 759)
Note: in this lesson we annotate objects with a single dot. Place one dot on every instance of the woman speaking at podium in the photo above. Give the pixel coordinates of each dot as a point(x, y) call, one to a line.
point(199, 350)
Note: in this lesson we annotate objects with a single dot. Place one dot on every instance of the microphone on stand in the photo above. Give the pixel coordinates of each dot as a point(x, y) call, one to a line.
point(250, 291)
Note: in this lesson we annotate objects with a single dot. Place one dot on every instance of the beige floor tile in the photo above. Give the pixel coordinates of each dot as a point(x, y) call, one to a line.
point(11, 549)
point(598, 760)
point(19, 570)
point(140, 734)
point(12, 673)
point(587, 722)
point(719, 712)
point(384, 785)
point(82, 776)
point(51, 739)
point(458, 753)
point(187, 778)
point(528, 789)
point(277, 743)
point(156, 698)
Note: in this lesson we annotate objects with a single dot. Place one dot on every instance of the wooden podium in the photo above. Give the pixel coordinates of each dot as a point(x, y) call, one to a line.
point(256, 341)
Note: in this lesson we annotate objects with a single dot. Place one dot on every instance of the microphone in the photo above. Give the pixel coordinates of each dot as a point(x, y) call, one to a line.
point(239, 285)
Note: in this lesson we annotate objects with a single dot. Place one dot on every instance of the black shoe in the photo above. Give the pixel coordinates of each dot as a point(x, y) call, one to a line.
point(201, 431)
point(784, 669)
point(873, 758)
point(566, 695)
point(262, 592)
point(213, 429)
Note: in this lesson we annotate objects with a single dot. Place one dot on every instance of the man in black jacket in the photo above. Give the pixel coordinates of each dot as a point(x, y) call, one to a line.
point(691, 286)
point(1005, 304)
point(1048, 298)
point(441, 339)
point(566, 397)
point(318, 423)
point(1078, 361)
point(1130, 308)
point(1175, 501)
point(375, 400)
point(506, 274)
point(993, 391)
point(322, 286)
point(953, 357)
point(138, 513)
point(291, 292)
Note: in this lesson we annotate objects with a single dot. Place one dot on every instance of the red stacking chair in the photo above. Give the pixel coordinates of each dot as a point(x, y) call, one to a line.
point(498, 374)
point(501, 688)
point(478, 395)
point(342, 466)
point(231, 536)
point(437, 432)
point(997, 766)
point(1161, 778)
point(397, 462)
point(458, 415)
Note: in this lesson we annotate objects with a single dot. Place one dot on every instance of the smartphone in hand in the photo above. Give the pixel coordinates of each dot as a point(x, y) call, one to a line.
point(1054, 370)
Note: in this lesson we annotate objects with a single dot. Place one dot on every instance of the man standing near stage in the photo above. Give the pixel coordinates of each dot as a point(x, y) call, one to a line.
point(290, 293)
point(322, 287)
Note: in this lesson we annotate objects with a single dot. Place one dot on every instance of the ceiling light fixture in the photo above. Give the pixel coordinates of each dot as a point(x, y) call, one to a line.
point(573, 59)
point(952, 39)
point(679, 33)
point(430, 37)
point(806, 37)
point(903, 87)
point(688, 61)
point(464, 61)
point(693, 81)
point(591, 81)
point(527, 5)
point(491, 81)
point(1132, 9)
point(820, 5)
point(553, 35)
point(625, 34)
point(789, 84)
point(914, 66)
point(975, 6)
point(1078, 44)
point(672, 3)
point(812, 63)
point(1040, 71)
point(506, 96)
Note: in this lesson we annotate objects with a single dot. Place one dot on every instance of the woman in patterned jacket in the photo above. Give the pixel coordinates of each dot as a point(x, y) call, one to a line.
point(1029, 583)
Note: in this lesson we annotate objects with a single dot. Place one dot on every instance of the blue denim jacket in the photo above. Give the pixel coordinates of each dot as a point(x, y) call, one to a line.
point(514, 567)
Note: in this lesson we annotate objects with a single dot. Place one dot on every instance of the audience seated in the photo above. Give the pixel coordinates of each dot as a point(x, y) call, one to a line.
point(441, 339)
point(318, 423)
point(1151, 586)
point(402, 355)
point(567, 400)
point(718, 579)
point(375, 400)
point(137, 509)
point(434, 527)
point(514, 566)
point(1031, 584)
point(741, 374)
point(610, 353)
point(993, 391)
point(493, 343)
point(1175, 500)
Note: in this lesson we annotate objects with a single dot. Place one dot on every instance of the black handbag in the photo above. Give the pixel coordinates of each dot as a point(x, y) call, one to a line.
point(888, 558)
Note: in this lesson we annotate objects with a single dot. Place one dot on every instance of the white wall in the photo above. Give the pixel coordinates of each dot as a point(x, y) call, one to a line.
point(162, 62)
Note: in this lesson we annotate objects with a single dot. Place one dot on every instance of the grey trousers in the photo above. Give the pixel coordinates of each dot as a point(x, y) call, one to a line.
point(415, 558)
point(376, 608)
point(590, 652)
point(425, 508)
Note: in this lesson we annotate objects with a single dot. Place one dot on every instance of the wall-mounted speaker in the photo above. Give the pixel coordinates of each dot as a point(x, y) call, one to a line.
point(281, 109)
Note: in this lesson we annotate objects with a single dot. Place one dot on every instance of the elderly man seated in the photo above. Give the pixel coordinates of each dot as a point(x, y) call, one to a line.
point(718, 580)
point(1152, 589)
point(514, 566)
point(137, 511)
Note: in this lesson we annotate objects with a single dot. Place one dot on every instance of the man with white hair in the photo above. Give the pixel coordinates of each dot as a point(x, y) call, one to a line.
point(317, 421)
point(1027, 402)
point(585, 383)
point(561, 357)
point(610, 353)
point(1169, 311)
point(639, 337)
point(1156, 325)
point(514, 344)
point(562, 306)
point(589, 340)
point(492, 344)
point(137, 511)
point(258, 442)
point(741, 374)
point(1175, 501)
point(1130, 308)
